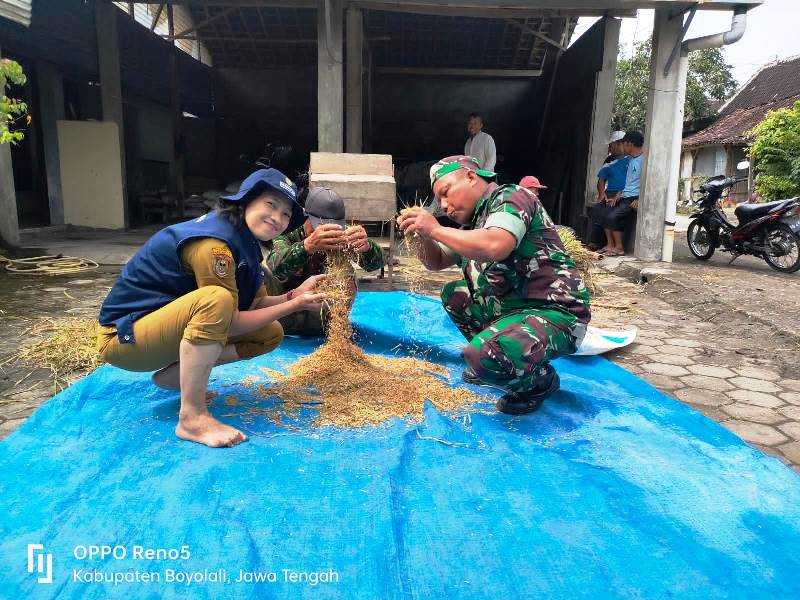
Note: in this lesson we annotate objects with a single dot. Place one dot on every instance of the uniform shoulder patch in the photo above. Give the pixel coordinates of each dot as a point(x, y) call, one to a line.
point(221, 251)
point(222, 265)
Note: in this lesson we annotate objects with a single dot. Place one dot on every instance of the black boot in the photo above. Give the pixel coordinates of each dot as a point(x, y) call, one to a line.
point(521, 403)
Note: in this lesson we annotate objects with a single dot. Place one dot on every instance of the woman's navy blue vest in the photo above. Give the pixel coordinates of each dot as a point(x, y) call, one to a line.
point(155, 276)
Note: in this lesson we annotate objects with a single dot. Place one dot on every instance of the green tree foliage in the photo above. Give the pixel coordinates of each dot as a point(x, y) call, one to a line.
point(775, 151)
point(630, 93)
point(13, 113)
point(709, 78)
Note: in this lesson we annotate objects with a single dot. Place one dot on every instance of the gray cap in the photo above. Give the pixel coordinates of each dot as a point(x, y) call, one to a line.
point(323, 206)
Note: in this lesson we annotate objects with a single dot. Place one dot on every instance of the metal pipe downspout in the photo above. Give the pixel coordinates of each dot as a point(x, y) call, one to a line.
point(717, 40)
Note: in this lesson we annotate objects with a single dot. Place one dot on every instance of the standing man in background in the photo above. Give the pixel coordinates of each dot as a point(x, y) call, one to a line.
point(480, 144)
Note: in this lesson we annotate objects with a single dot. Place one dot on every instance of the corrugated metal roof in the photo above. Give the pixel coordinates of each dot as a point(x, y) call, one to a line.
point(16, 10)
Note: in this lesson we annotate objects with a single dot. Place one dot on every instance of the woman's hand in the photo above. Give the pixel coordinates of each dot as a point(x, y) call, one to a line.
point(310, 301)
point(356, 238)
point(417, 220)
point(309, 284)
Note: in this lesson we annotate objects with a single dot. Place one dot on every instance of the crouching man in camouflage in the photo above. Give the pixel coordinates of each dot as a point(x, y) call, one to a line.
point(522, 302)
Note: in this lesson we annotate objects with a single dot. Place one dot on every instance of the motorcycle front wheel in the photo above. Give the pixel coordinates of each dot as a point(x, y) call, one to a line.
point(784, 249)
point(700, 239)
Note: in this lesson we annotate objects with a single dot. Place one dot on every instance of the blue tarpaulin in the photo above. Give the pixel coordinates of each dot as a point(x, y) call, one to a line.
point(611, 490)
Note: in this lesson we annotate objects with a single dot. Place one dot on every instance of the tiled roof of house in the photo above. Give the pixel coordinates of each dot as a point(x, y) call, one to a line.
point(775, 86)
point(731, 127)
point(774, 82)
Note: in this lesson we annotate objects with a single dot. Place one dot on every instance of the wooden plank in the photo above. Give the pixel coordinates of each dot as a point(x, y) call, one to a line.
point(342, 163)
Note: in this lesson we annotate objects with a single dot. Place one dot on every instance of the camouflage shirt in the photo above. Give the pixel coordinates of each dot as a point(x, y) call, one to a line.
point(289, 262)
point(538, 273)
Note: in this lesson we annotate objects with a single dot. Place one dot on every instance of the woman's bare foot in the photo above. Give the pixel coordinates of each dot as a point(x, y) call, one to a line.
point(205, 429)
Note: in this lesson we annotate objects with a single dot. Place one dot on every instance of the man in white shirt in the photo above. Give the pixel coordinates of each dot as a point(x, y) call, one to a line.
point(480, 144)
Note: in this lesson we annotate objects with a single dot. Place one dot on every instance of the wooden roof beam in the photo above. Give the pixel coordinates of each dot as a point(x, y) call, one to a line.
point(538, 34)
point(242, 3)
point(443, 72)
point(494, 13)
point(198, 26)
point(157, 17)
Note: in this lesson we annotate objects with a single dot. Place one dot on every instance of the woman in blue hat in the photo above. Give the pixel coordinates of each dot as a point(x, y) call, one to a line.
point(193, 297)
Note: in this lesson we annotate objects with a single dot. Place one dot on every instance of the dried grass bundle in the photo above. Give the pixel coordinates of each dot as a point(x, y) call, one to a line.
point(583, 257)
point(339, 289)
point(63, 346)
point(417, 274)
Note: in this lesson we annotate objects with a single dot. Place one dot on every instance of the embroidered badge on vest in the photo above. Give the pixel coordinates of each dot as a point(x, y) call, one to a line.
point(223, 259)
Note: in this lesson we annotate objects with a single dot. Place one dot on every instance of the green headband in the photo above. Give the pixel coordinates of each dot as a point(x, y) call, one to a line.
point(455, 166)
point(445, 169)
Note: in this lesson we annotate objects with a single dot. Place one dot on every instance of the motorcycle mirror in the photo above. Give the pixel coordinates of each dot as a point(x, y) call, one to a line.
point(743, 166)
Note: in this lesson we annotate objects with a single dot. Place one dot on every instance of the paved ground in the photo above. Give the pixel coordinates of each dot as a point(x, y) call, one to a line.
point(702, 339)
point(748, 285)
point(737, 371)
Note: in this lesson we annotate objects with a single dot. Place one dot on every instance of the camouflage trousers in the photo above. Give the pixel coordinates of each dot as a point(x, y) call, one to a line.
point(508, 350)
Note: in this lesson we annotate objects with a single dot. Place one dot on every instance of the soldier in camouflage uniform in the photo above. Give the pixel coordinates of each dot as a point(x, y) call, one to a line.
point(522, 302)
point(301, 253)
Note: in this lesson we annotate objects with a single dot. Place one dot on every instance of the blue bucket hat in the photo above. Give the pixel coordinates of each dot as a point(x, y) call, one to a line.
point(270, 179)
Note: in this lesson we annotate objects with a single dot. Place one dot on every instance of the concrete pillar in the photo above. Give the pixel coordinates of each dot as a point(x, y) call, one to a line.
point(687, 169)
point(105, 21)
point(330, 77)
point(675, 166)
point(51, 109)
point(355, 92)
point(603, 107)
point(9, 225)
point(660, 146)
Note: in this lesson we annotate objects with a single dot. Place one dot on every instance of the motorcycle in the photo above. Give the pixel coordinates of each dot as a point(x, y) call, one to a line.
point(770, 230)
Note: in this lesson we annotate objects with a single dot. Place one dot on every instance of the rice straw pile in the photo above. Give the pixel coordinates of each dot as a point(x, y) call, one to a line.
point(64, 346)
point(583, 257)
point(348, 387)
